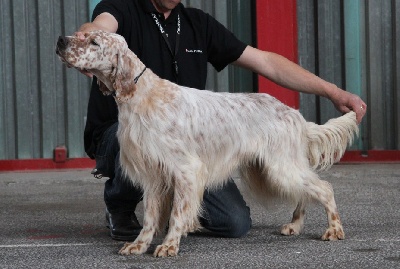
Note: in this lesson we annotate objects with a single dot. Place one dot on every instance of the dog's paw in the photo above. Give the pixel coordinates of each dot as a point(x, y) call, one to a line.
point(291, 229)
point(333, 234)
point(166, 251)
point(133, 248)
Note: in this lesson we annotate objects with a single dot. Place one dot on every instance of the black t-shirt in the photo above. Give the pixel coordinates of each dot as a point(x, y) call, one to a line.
point(202, 39)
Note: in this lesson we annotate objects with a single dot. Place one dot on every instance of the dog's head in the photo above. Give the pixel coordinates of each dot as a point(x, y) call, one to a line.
point(105, 55)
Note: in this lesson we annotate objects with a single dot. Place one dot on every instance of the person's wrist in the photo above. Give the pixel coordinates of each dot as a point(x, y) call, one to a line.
point(332, 92)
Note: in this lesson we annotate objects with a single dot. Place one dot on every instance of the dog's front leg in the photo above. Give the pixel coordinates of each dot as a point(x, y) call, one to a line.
point(184, 215)
point(151, 220)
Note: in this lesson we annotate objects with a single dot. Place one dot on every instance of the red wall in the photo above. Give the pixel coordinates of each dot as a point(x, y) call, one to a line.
point(277, 32)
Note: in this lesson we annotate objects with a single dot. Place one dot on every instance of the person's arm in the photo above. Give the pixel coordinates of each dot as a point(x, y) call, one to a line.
point(105, 21)
point(290, 75)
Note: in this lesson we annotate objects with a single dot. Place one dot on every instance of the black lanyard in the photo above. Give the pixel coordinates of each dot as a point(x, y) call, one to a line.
point(165, 36)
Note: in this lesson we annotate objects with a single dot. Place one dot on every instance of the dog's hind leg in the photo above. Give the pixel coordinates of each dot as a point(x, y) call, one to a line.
point(322, 191)
point(296, 225)
point(262, 186)
point(302, 184)
point(335, 228)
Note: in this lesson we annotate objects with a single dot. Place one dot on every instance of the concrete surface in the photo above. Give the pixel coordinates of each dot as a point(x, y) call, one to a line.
point(55, 219)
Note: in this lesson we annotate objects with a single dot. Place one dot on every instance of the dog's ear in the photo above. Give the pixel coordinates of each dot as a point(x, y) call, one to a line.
point(122, 76)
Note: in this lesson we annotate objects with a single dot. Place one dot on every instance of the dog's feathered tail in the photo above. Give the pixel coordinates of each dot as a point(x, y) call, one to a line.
point(327, 143)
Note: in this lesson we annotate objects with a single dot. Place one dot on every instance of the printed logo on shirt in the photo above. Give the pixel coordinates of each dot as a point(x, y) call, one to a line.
point(194, 51)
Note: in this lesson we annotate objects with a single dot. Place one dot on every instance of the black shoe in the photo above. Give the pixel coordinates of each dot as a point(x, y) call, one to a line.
point(123, 226)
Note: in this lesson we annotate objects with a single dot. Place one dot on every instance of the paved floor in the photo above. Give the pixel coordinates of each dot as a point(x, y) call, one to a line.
point(56, 220)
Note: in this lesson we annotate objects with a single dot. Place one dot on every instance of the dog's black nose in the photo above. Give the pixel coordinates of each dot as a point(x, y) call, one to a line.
point(61, 43)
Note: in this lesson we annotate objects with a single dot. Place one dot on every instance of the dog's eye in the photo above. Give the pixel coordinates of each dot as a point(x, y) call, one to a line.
point(94, 43)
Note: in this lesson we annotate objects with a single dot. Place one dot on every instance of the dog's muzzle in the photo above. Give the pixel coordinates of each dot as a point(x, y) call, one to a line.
point(62, 43)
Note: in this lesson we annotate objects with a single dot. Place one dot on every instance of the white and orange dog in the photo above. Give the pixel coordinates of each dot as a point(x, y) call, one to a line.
point(176, 141)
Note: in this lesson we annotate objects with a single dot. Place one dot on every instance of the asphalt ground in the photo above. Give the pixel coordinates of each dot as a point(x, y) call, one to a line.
point(56, 219)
